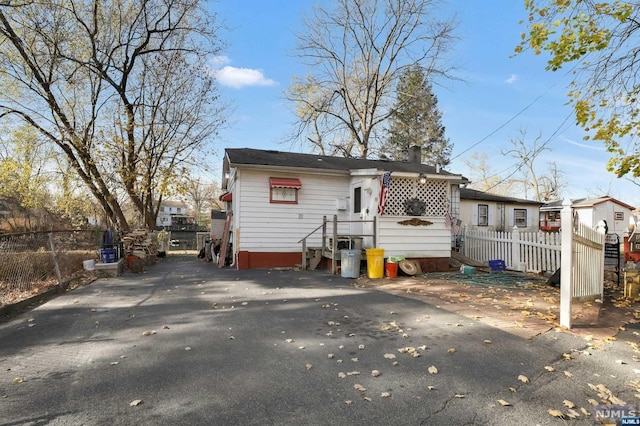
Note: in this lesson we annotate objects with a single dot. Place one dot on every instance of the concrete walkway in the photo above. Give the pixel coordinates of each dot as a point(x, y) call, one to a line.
point(186, 343)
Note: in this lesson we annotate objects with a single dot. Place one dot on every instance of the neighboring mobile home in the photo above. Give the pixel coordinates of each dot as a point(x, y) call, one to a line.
point(275, 199)
point(491, 212)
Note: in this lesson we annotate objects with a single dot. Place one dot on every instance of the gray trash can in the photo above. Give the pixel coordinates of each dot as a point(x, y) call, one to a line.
point(350, 263)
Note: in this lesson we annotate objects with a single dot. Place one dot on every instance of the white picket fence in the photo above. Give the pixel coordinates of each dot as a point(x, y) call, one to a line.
point(522, 251)
point(578, 252)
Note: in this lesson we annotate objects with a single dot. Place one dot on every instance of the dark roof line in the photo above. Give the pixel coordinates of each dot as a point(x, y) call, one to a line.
point(257, 157)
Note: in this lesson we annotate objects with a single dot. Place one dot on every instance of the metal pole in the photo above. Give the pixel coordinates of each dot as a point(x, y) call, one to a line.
point(56, 264)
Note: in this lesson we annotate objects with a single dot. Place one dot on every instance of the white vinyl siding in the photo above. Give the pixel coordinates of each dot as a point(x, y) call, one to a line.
point(270, 227)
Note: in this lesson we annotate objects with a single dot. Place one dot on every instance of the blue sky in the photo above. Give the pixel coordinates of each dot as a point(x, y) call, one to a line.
point(497, 97)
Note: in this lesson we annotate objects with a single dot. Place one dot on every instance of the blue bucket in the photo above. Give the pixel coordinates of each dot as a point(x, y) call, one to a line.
point(108, 255)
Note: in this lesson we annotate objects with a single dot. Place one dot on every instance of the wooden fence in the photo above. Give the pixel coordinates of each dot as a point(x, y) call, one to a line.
point(522, 251)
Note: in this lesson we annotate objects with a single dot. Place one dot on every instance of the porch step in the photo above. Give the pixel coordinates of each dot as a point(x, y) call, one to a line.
point(314, 256)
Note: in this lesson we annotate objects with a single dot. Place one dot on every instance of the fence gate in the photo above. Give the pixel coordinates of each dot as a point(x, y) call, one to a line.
point(582, 270)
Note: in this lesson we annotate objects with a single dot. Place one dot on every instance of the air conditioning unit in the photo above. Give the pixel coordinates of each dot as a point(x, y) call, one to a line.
point(341, 204)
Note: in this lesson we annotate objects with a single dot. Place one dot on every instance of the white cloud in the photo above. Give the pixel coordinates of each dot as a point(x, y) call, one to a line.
point(238, 77)
point(512, 79)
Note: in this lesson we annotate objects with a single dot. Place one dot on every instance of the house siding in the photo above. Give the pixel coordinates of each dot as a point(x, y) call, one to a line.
point(501, 216)
point(404, 240)
point(273, 227)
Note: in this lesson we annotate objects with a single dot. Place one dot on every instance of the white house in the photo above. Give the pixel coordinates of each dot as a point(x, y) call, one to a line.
point(590, 211)
point(491, 212)
point(278, 198)
point(173, 213)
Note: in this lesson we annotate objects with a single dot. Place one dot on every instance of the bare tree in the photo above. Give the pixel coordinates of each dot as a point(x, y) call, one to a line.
point(547, 185)
point(357, 49)
point(119, 87)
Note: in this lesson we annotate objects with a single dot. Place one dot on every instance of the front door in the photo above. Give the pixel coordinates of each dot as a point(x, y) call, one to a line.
point(357, 207)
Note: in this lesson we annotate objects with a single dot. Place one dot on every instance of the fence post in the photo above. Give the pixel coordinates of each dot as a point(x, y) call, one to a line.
point(56, 264)
point(515, 249)
point(566, 263)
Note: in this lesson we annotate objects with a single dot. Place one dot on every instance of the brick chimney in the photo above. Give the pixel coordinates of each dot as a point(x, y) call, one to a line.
point(415, 154)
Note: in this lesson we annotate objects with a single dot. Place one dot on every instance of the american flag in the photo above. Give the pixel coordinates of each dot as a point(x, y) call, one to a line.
point(384, 192)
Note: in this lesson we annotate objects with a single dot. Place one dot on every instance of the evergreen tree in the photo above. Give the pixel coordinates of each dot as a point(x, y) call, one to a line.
point(417, 121)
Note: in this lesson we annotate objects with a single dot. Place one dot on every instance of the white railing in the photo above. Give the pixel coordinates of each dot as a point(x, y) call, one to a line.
point(522, 251)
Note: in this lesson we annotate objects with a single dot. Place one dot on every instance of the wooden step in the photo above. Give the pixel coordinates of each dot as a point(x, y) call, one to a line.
point(314, 256)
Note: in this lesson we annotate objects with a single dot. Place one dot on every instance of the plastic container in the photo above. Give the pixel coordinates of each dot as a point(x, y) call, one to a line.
point(467, 270)
point(375, 263)
point(108, 255)
point(392, 269)
point(497, 265)
point(350, 263)
point(89, 265)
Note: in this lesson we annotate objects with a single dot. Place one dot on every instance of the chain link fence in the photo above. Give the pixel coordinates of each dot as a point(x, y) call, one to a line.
point(31, 263)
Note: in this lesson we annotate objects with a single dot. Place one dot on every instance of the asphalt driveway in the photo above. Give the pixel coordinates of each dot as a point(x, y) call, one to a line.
point(186, 343)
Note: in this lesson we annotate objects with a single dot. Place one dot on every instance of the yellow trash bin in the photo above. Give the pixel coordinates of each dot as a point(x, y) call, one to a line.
point(375, 262)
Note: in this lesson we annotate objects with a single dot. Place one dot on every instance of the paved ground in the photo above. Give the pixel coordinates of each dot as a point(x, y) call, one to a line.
point(186, 343)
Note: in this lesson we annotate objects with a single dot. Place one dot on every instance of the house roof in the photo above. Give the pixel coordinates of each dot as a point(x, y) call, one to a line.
point(472, 194)
point(257, 157)
point(584, 203)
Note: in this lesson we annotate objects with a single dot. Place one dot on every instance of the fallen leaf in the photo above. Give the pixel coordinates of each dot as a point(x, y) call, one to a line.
point(523, 379)
point(331, 356)
point(512, 389)
point(376, 373)
point(431, 387)
point(348, 402)
point(433, 370)
point(342, 375)
point(593, 401)
point(555, 413)
point(385, 394)
point(359, 387)
point(568, 404)
point(188, 348)
point(353, 373)
point(459, 395)
point(354, 359)
point(18, 380)
point(487, 341)
point(289, 340)
point(504, 403)
point(309, 366)
point(568, 374)
point(300, 347)
point(361, 347)
point(114, 363)
point(366, 398)
point(452, 350)
point(149, 332)
point(567, 357)
point(390, 356)
point(135, 402)
point(549, 368)
point(572, 414)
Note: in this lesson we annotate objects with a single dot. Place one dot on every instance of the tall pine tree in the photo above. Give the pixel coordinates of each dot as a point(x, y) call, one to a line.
point(416, 120)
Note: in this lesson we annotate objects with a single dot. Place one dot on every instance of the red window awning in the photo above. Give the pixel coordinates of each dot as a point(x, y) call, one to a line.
point(227, 196)
point(285, 183)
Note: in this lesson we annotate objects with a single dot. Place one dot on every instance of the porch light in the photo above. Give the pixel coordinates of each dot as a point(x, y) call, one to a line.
point(422, 178)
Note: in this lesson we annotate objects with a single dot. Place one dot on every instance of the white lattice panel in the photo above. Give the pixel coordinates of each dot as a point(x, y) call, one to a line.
point(434, 192)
